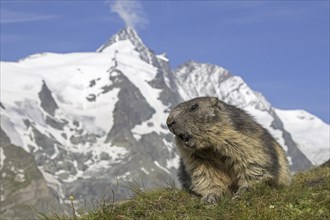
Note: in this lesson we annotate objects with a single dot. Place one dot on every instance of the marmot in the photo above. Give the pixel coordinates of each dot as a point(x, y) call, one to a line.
point(223, 150)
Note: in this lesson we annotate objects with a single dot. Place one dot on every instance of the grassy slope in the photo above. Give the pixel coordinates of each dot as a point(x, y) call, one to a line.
point(307, 198)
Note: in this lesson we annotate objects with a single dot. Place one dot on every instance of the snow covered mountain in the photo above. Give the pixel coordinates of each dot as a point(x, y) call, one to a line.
point(91, 120)
point(309, 132)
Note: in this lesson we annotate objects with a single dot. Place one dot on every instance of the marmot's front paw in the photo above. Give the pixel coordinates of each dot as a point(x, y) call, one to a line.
point(239, 193)
point(211, 198)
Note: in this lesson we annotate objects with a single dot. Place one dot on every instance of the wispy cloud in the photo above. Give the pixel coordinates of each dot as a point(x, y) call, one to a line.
point(131, 12)
point(8, 16)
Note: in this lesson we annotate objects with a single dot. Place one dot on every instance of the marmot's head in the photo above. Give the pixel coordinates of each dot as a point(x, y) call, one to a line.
point(191, 121)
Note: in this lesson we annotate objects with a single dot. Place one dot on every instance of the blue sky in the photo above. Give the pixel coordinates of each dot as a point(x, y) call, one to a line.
point(280, 48)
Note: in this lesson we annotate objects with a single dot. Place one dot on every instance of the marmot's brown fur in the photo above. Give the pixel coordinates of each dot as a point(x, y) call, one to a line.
point(224, 150)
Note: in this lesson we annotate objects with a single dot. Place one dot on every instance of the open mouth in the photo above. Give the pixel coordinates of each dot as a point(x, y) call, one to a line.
point(184, 137)
point(187, 139)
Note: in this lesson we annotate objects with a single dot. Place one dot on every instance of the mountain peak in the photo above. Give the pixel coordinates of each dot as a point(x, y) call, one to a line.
point(128, 33)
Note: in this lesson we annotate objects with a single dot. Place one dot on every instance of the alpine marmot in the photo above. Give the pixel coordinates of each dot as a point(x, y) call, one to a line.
point(223, 150)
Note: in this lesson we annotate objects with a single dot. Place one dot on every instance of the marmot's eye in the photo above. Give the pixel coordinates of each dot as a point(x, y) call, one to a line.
point(193, 107)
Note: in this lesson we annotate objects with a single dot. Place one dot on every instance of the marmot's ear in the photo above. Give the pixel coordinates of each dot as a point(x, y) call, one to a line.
point(214, 101)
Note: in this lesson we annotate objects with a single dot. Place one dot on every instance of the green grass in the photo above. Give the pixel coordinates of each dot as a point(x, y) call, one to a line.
point(307, 198)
